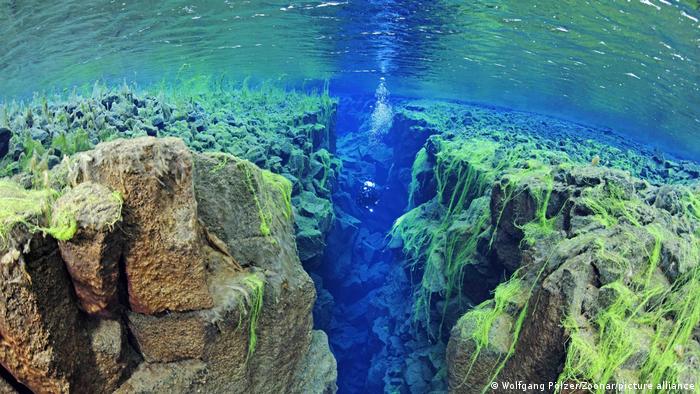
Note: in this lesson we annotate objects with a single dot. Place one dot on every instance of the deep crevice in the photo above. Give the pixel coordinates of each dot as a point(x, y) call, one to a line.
point(367, 282)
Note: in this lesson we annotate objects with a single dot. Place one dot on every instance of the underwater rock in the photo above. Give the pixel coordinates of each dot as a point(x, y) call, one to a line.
point(47, 344)
point(492, 205)
point(255, 335)
point(92, 254)
point(154, 176)
point(546, 135)
point(310, 241)
point(158, 122)
point(319, 372)
point(5, 136)
point(408, 134)
point(588, 256)
point(314, 217)
point(259, 233)
point(183, 376)
point(324, 305)
point(114, 358)
point(39, 135)
point(227, 121)
point(6, 387)
point(173, 337)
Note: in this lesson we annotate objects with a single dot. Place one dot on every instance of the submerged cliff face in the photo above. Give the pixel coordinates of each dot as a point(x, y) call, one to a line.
point(158, 269)
point(605, 289)
point(538, 262)
point(395, 300)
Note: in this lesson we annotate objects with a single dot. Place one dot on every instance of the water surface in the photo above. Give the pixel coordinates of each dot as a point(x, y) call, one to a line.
point(630, 65)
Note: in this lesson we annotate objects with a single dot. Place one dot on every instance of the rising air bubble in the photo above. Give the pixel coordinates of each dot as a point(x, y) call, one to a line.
point(382, 116)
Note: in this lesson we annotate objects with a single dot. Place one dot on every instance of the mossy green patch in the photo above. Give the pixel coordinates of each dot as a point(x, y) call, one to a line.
point(465, 171)
point(257, 287)
point(420, 164)
point(609, 203)
point(71, 143)
point(266, 204)
point(484, 315)
point(31, 208)
point(644, 319)
point(283, 186)
point(645, 325)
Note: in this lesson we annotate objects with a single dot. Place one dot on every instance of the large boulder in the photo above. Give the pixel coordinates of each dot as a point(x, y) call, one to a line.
point(47, 344)
point(92, 254)
point(154, 176)
point(208, 287)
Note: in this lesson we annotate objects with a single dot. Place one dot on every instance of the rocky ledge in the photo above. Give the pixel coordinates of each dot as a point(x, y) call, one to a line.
point(541, 268)
point(605, 286)
point(144, 267)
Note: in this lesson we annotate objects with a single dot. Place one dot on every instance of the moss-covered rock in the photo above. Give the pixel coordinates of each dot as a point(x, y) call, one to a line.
point(559, 221)
point(255, 333)
point(542, 134)
point(595, 284)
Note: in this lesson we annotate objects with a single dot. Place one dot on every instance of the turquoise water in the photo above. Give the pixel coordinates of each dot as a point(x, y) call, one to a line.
point(628, 65)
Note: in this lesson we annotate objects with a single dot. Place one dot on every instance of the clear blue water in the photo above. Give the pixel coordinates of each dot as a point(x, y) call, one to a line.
point(626, 65)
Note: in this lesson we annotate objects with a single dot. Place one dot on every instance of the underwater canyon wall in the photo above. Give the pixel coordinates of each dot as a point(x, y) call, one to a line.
point(539, 263)
point(170, 295)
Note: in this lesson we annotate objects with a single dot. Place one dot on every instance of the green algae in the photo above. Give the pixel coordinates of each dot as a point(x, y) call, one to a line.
point(264, 204)
point(599, 351)
point(420, 164)
point(263, 214)
point(32, 208)
point(579, 144)
point(462, 173)
point(283, 186)
point(326, 160)
point(257, 286)
point(642, 312)
point(284, 131)
point(249, 294)
point(231, 115)
point(69, 144)
point(541, 182)
point(609, 202)
point(644, 317)
point(483, 316)
point(223, 161)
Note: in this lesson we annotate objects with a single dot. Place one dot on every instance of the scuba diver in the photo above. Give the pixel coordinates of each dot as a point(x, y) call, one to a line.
point(368, 195)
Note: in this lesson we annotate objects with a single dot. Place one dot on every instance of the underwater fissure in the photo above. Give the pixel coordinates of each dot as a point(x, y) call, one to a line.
point(470, 222)
point(368, 300)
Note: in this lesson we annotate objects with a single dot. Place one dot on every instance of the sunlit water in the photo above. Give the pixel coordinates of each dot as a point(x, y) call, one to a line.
point(628, 64)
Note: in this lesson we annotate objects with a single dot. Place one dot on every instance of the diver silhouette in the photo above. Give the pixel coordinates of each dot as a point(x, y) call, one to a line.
point(368, 195)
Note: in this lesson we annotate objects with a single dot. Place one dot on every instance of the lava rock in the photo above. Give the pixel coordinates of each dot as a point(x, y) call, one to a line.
point(152, 174)
point(39, 135)
point(5, 136)
point(92, 254)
